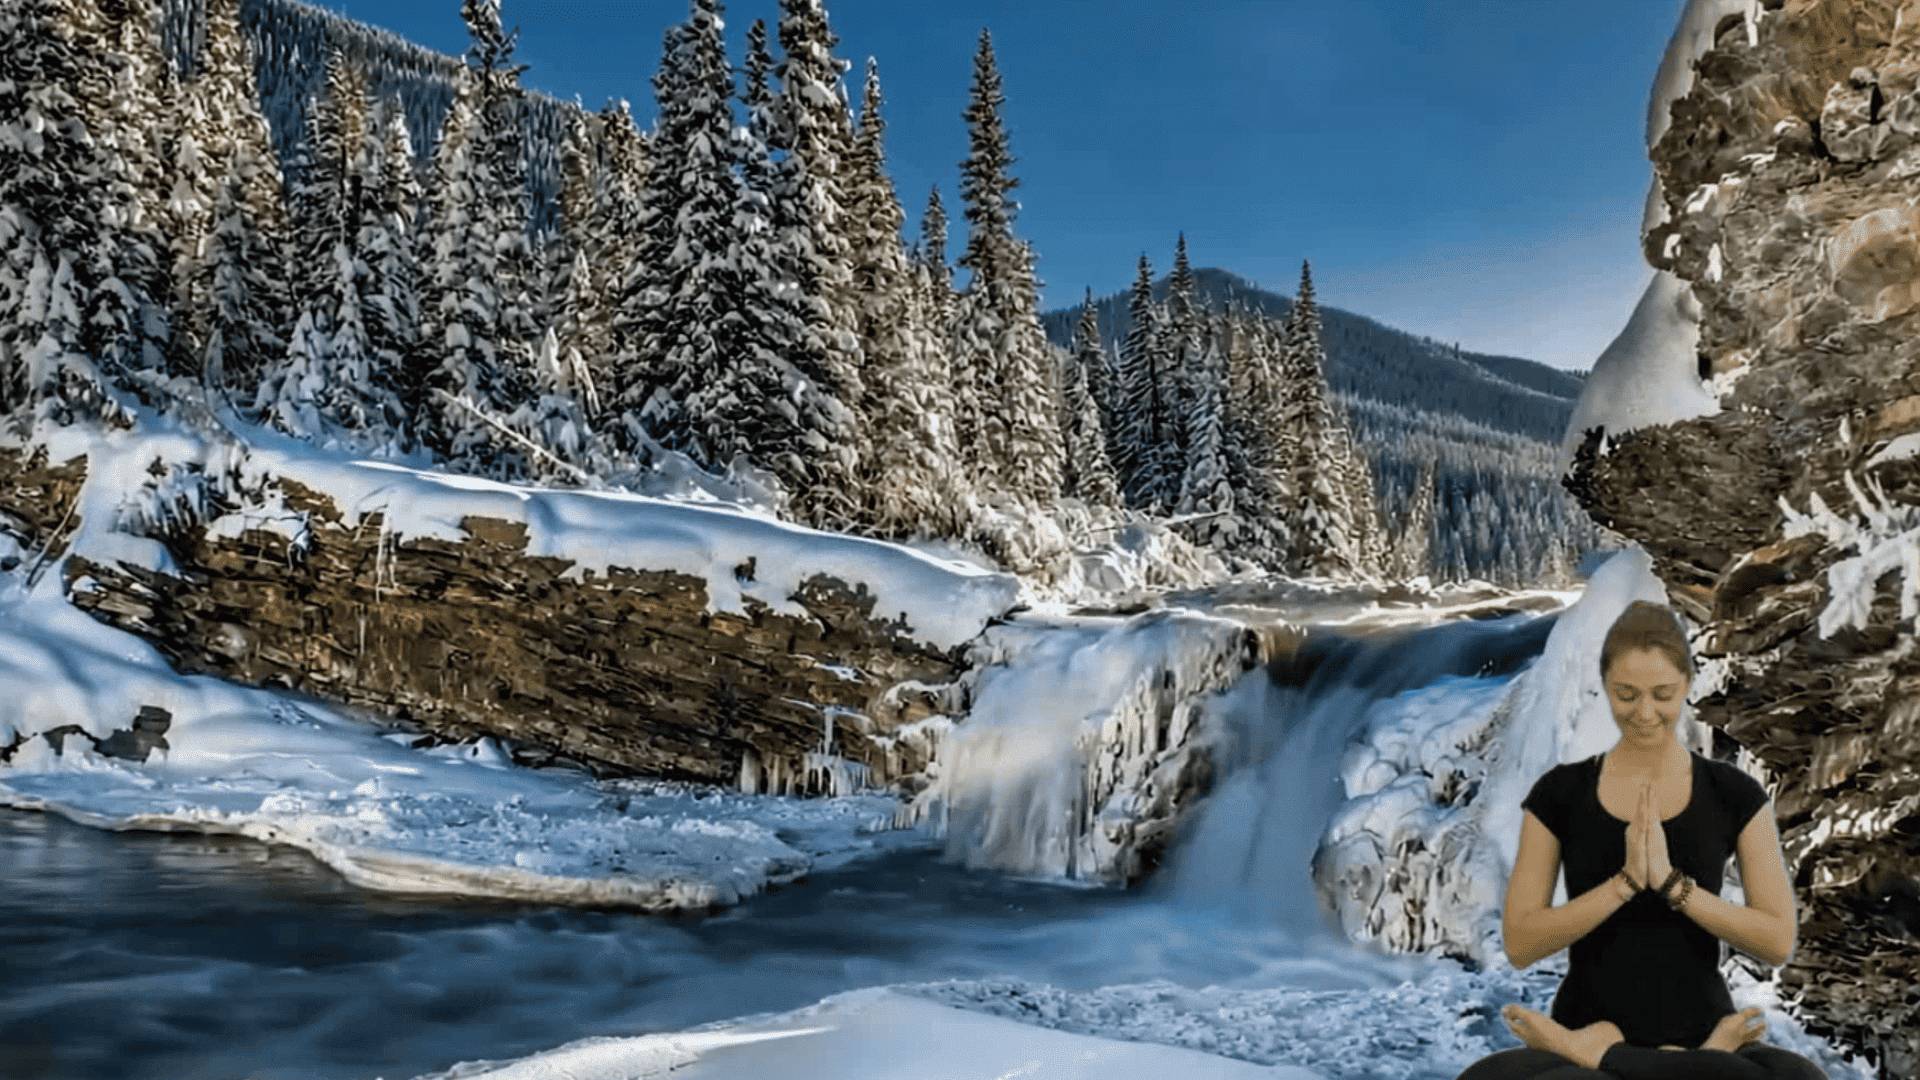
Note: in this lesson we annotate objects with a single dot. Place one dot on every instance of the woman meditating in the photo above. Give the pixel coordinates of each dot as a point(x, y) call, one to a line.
point(1643, 832)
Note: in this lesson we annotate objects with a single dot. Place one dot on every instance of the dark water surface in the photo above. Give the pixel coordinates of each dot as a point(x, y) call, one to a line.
point(149, 956)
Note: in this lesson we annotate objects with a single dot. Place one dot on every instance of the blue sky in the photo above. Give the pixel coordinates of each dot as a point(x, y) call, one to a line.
point(1470, 169)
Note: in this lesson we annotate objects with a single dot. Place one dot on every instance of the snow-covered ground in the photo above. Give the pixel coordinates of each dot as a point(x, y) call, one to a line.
point(874, 1034)
point(452, 819)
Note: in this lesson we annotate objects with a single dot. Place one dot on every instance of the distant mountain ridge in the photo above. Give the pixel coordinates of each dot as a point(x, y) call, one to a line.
point(1368, 360)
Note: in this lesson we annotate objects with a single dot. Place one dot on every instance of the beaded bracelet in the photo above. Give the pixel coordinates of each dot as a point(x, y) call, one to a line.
point(1673, 875)
point(1679, 903)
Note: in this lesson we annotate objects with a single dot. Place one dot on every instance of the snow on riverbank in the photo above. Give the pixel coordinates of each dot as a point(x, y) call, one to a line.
point(943, 602)
point(874, 1034)
point(451, 820)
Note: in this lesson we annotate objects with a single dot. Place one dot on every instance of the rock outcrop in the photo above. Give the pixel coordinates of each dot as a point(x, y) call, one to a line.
point(625, 671)
point(1787, 524)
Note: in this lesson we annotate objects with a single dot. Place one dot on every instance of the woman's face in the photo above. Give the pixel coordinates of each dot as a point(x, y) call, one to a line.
point(1647, 692)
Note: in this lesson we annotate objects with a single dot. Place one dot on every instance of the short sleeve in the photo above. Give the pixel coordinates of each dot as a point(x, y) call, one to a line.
point(1745, 798)
point(1548, 801)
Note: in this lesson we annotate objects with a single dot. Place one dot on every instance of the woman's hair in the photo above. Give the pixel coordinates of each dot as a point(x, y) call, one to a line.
point(1647, 625)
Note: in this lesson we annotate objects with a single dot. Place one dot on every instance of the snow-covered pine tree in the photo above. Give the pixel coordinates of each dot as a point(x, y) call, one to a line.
point(1279, 444)
point(238, 274)
point(501, 143)
point(676, 352)
point(128, 121)
point(579, 179)
point(931, 252)
point(900, 476)
point(611, 245)
point(330, 387)
point(477, 311)
point(1036, 450)
point(553, 419)
point(645, 280)
point(999, 348)
point(1141, 420)
point(243, 294)
point(126, 319)
point(56, 246)
point(1322, 519)
point(1369, 533)
point(325, 192)
point(814, 130)
point(755, 404)
point(1206, 485)
point(1243, 447)
point(1086, 474)
point(1410, 548)
point(1181, 348)
point(1255, 444)
point(1095, 374)
point(388, 252)
point(459, 313)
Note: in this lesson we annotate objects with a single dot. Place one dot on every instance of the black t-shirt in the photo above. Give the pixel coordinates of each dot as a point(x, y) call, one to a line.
point(1651, 970)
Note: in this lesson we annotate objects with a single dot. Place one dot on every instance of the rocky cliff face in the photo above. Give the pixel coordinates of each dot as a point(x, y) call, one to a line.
point(1786, 524)
point(629, 671)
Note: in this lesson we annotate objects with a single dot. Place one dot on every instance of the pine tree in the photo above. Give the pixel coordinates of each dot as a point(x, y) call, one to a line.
point(1000, 351)
point(554, 420)
point(1092, 358)
point(501, 143)
point(126, 319)
point(1411, 547)
point(579, 178)
point(55, 245)
point(243, 295)
point(900, 476)
point(1277, 445)
point(1206, 485)
point(476, 259)
point(612, 249)
point(237, 306)
point(813, 132)
point(753, 405)
point(1181, 349)
point(1324, 540)
point(676, 351)
point(388, 250)
point(1087, 472)
point(1143, 423)
point(932, 249)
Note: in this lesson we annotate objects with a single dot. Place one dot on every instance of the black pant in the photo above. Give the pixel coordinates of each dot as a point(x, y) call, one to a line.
point(1754, 1061)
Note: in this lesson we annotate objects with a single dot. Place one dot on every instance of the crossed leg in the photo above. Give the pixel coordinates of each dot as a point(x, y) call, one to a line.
point(1597, 1052)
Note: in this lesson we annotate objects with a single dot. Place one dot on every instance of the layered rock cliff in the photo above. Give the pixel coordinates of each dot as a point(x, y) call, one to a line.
point(720, 647)
point(1782, 508)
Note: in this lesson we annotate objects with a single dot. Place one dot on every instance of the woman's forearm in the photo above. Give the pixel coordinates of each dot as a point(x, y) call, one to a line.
point(1759, 934)
point(1538, 934)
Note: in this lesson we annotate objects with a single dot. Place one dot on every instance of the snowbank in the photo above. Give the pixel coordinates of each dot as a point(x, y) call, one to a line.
point(943, 602)
point(1649, 374)
point(452, 820)
point(875, 1034)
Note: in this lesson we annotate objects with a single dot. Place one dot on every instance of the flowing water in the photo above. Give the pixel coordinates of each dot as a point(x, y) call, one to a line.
point(135, 955)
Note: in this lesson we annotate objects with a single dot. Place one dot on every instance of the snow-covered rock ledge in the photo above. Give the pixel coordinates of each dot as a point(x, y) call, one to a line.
point(454, 819)
point(671, 638)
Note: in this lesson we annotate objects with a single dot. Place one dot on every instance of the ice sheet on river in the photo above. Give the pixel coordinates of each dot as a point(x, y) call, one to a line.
point(453, 820)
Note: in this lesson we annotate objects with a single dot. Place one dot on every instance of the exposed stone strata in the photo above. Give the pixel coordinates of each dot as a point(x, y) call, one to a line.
point(1791, 178)
point(625, 672)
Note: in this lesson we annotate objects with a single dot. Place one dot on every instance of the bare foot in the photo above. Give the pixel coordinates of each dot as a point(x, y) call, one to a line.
point(1736, 1030)
point(1583, 1046)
